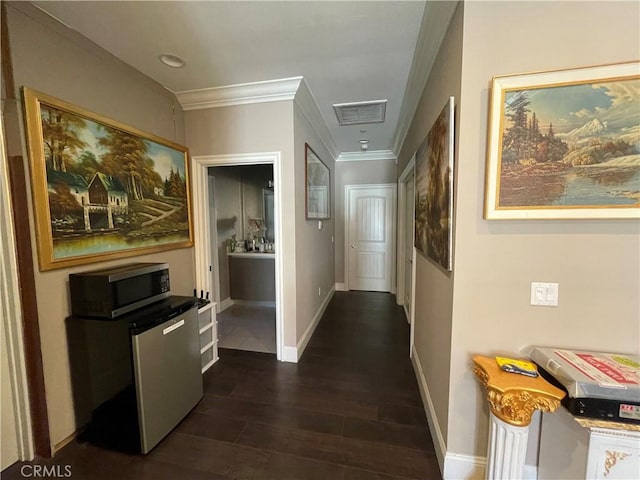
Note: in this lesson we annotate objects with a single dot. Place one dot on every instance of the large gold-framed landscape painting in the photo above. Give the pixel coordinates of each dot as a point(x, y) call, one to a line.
point(565, 144)
point(101, 189)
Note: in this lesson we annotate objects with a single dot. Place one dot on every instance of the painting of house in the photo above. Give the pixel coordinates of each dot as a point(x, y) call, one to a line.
point(68, 194)
point(76, 185)
point(108, 190)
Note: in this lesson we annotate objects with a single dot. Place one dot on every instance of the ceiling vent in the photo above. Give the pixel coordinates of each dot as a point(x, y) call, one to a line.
point(360, 112)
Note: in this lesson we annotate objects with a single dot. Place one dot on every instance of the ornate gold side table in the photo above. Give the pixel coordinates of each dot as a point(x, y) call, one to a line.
point(512, 399)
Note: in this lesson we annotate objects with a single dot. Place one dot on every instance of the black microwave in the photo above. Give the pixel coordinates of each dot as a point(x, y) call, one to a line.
point(112, 292)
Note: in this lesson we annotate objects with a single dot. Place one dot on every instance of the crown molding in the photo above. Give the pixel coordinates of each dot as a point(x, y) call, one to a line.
point(372, 155)
point(308, 106)
point(240, 94)
point(435, 23)
point(294, 88)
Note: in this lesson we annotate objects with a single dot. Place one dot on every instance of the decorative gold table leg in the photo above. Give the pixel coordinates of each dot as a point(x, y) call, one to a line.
point(512, 399)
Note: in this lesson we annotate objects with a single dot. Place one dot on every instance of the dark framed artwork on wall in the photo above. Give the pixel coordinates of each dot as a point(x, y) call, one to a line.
point(434, 190)
point(318, 186)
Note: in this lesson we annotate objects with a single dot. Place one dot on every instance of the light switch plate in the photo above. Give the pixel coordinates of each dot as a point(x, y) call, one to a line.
point(544, 293)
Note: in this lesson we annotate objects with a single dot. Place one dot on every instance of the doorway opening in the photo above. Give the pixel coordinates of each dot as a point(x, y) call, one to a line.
point(212, 249)
point(241, 199)
point(406, 251)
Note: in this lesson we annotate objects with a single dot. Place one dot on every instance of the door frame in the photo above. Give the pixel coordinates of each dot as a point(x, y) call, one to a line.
point(213, 219)
point(11, 317)
point(347, 201)
point(201, 223)
point(409, 171)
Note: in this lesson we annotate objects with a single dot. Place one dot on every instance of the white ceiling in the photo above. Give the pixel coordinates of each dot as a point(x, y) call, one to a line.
point(347, 51)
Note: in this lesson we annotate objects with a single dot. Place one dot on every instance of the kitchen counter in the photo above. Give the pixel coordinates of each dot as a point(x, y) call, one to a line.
point(257, 255)
point(252, 276)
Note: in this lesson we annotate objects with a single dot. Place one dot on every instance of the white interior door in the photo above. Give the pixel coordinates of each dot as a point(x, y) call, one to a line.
point(370, 237)
point(408, 248)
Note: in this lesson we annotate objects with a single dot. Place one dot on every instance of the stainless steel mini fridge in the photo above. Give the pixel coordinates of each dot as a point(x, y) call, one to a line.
point(140, 373)
point(166, 362)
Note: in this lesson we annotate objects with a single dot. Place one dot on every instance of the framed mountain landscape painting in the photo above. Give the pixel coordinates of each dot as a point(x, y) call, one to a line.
point(101, 189)
point(565, 144)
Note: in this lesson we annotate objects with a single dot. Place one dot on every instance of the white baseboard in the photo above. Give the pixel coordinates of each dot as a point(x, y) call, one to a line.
point(306, 336)
point(255, 303)
point(224, 304)
point(464, 467)
point(530, 472)
point(340, 287)
point(468, 467)
point(289, 354)
point(432, 419)
point(293, 354)
point(452, 465)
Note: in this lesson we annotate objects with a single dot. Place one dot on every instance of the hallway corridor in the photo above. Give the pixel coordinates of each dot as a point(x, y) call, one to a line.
point(350, 409)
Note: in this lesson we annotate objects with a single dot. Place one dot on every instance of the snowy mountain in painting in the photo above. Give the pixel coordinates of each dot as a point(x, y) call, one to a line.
point(595, 144)
point(593, 128)
point(600, 131)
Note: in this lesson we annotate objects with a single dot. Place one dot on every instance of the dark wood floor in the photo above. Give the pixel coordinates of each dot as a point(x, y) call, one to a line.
point(350, 409)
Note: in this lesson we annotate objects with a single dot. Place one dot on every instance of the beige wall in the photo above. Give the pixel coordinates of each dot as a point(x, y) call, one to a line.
point(314, 247)
point(434, 286)
point(362, 172)
point(595, 261)
point(256, 128)
point(308, 252)
point(49, 58)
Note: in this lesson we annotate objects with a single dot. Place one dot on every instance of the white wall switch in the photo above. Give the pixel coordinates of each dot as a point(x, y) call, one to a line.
point(545, 294)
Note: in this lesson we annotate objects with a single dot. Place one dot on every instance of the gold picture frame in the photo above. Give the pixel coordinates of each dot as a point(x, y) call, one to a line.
point(102, 190)
point(565, 144)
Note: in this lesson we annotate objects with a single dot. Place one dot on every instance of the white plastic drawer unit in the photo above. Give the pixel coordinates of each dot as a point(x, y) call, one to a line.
point(208, 330)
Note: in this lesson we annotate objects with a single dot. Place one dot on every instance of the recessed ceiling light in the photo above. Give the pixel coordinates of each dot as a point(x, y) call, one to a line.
point(172, 60)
